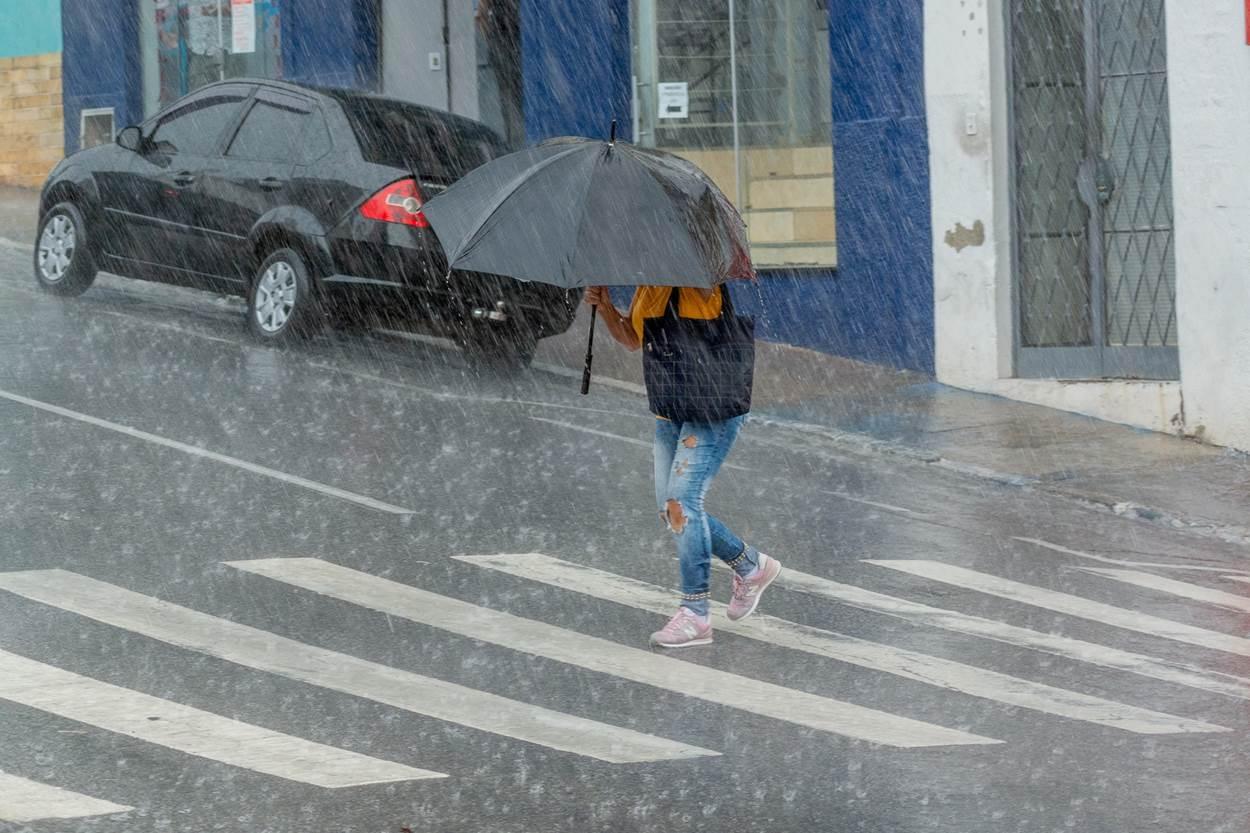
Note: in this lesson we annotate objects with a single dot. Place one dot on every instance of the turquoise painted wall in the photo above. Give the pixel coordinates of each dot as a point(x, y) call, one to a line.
point(29, 27)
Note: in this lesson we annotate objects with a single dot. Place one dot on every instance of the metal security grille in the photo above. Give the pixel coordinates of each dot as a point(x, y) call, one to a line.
point(1095, 272)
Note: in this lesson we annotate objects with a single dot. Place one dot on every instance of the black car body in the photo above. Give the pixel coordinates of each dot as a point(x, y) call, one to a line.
point(206, 190)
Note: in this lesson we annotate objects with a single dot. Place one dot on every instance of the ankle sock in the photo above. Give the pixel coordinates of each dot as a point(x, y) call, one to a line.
point(700, 608)
point(748, 563)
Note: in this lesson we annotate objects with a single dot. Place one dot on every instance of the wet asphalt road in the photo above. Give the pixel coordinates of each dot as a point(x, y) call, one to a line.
point(147, 446)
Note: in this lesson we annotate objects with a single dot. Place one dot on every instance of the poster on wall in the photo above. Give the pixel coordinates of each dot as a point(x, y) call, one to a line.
point(243, 26)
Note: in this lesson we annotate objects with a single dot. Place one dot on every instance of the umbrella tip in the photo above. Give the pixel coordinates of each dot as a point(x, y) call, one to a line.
point(612, 133)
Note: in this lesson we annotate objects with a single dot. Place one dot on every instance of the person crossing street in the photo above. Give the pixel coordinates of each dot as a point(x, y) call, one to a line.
point(689, 453)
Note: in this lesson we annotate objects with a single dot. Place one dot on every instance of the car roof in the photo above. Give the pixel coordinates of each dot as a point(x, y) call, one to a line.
point(349, 96)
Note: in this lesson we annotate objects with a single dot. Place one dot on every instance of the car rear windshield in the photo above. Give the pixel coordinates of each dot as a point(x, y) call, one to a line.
point(402, 136)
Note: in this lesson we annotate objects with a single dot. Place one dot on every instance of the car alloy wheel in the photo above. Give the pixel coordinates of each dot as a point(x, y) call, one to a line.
point(56, 248)
point(275, 297)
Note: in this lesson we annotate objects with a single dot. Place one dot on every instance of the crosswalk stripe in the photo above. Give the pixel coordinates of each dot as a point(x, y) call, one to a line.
point(190, 730)
point(1066, 603)
point(1065, 646)
point(1172, 587)
point(604, 656)
point(1047, 545)
point(264, 651)
point(912, 665)
point(23, 801)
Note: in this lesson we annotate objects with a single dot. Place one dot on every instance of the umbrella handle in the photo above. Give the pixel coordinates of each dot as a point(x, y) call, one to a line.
point(590, 356)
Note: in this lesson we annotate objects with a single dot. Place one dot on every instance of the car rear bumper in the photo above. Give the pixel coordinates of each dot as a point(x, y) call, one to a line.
point(401, 270)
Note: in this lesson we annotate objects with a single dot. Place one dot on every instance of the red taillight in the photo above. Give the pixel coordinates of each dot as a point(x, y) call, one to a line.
point(399, 202)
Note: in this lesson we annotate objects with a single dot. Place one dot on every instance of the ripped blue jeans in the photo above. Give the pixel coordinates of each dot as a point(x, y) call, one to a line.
point(687, 456)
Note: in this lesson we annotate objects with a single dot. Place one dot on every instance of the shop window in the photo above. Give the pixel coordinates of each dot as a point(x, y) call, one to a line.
point(742, 89)
point(190, 43)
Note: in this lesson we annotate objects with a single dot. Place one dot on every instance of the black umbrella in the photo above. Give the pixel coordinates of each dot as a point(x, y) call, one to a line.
point(582, 212)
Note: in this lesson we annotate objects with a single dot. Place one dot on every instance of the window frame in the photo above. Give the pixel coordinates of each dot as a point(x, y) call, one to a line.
point(245, 92)
point(283, 99)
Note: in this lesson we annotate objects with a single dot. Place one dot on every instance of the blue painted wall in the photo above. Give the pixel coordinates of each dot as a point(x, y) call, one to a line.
point(883, 308)
point(101, 65)
point(29, 27)
point(331, 42)
point(577, 68)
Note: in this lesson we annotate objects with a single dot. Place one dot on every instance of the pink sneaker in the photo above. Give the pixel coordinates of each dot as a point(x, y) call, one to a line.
point(684, 630)
point(747, 591)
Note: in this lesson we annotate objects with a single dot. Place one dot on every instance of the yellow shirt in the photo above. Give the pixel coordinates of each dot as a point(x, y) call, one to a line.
point(651, 301)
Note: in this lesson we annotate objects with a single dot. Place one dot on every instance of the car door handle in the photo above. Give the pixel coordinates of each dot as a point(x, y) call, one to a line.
point(184, 178)
point(271, 183)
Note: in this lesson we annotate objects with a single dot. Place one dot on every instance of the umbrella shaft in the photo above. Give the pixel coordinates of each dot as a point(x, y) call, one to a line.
point(590, 354)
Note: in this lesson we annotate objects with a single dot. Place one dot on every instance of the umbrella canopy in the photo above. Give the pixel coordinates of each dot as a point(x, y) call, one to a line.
point(582, 212)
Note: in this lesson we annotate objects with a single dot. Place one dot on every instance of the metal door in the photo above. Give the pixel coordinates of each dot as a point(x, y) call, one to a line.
point(1095, 275)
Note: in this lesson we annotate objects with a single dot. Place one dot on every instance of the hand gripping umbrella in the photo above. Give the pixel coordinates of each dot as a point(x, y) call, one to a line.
point(582, 212)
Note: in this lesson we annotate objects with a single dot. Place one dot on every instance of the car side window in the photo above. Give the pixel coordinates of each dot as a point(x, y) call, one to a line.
point(196, 128)
point(316, 142)
point(270, 133)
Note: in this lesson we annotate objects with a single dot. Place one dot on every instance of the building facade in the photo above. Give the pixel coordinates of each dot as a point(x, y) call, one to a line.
point(1091, 215)
point(30, 90)
point(1035, 198)
point(758, 97)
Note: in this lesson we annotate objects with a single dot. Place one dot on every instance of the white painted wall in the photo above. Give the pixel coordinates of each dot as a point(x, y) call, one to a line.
point(970, 164)
point(962, 164)
point(1209, 80)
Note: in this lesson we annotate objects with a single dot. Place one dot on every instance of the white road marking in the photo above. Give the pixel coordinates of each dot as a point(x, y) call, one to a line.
point(606, 381)
point(1077, 606)
point(1050, 643)
point(572, 426)
point(24, 801)
point(604, 656)
point(359, 374)
point(553, 369)
point(196, 451)
point(888, 507)
point(449, 396)
point(912, 665)
point(1122, 562)
point(1173, 587)
point(206, 735)
point(264, 651)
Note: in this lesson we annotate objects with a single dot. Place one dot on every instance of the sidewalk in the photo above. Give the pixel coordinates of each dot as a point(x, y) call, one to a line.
point(864, 407)
point(872, 409)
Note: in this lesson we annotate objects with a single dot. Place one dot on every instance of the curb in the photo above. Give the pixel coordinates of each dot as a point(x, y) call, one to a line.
point(864, 444)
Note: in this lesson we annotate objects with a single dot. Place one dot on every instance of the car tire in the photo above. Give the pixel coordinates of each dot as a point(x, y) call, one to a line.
point(499, 348)
point(64, 264)
point(282, 305)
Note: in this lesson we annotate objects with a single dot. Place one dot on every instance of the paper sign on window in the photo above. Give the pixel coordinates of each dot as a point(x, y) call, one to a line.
point(674, 99)
point(243, 30)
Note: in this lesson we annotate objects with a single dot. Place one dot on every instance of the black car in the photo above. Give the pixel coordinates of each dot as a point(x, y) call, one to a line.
point(305, 200)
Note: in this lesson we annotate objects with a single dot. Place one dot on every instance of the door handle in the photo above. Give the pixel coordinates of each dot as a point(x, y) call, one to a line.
point(184, 178)
point(271, 183)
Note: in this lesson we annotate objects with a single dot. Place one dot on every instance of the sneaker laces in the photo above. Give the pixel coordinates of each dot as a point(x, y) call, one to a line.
point(678, 622)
